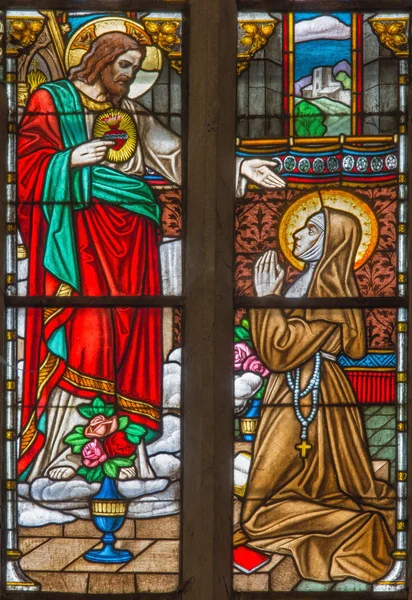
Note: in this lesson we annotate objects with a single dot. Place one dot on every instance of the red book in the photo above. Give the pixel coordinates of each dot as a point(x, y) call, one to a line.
point(248, 560)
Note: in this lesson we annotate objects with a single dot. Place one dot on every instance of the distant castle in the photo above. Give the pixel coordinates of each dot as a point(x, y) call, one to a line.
point(324, 85)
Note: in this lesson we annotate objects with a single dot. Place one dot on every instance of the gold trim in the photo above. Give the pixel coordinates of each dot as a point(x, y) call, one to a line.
point(402, 178)
point(21, 252)
point(400, 525)
point(402, 228)
point(55, 34)
point(354, 71)
point(11, 178)
point(11, 484)
point(139, 407)
point(87, 382)
point(402, 278)
point(12, 128)
point(13, 554)
point(28, 435)
point(402, 327)
point(240, 490)
point(93, 105)
point(401, 554)
point(402, 426)
point(402, 475)
point(10, 278)
point(46, 371)
point(374, 369)
point(49, 313)
point(291, 74)
point(402, 377)
point(109, 508)
point(249, 426)
point(10, 434)
point(65, 290)
point(11, 78)
point(391, 583)
point(402, 129)
point(20, 583)
point(11, 228)
point(11, 335)
point(10, 385)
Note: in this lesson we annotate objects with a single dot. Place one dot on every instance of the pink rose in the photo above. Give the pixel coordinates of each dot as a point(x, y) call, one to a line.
point(253, 364)
point(93, 454)
point(242, 351)
point(100, 426)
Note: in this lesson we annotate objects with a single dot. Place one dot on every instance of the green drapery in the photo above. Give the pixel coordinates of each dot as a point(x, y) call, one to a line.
point(68, 189)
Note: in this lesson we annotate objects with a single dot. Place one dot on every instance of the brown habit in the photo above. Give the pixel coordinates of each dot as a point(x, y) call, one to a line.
point(327, 511)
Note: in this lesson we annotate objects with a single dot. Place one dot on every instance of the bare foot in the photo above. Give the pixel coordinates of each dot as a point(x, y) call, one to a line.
point(60, 473)
point(127, 473)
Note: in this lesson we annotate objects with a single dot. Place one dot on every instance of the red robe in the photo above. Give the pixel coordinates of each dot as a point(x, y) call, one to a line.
point(112, 353)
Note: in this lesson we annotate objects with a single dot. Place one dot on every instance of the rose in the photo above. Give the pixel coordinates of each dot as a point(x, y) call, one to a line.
point(93, 454)
point(118, 445)
point(254, 365)
point(100, 426)
point(242, 351)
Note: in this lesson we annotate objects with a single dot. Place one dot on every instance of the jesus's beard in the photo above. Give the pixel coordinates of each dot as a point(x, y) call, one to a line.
point(116, 90)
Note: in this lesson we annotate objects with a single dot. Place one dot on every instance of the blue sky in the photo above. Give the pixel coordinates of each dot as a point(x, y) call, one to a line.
point(344, 17)
point(320, 53)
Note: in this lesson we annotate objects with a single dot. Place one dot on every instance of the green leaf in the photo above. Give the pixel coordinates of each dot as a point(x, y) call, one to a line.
point(95, 474)
point(245, 323)
point(111, 469)
point(83, 472)
point(123, 422)
point(98, 406)
point(134, 433)
point(76, 439)
point(122, 462)
point(80, 430)
point(77, 449)
point(86, 411)
point(108, 411)
point(242, 333)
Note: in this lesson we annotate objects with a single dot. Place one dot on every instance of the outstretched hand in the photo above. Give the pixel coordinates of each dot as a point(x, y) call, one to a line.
point(269, 275)
point(90, 153)
point(261, 172)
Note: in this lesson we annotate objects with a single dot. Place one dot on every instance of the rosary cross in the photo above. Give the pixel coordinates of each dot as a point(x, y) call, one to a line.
point(303, 447)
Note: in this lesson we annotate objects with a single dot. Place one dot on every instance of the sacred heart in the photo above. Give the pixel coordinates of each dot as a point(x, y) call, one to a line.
point(117, 126)
point(115, 134)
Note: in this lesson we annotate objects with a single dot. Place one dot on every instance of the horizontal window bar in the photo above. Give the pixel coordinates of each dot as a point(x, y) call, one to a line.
point(95, 301)
point(332, 6)
point(282, 302)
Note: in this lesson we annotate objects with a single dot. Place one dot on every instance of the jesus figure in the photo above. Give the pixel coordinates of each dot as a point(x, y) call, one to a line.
point(91, 226)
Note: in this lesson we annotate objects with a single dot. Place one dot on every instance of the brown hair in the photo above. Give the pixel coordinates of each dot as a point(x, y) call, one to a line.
point(103, 51)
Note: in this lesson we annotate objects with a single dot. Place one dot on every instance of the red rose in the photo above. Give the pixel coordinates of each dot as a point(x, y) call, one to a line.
point(117, 444)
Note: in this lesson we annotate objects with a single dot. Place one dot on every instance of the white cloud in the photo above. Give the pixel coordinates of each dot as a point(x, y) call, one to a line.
point(321, 28)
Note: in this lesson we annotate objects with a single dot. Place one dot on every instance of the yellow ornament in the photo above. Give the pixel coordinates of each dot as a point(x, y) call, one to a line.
point(118, 126)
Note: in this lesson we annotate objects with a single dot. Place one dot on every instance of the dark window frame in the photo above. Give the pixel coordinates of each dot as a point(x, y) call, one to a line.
point(209, 303)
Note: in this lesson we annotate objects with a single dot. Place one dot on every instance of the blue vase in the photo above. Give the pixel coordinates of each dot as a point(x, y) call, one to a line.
point(108, 510)
point(250, 421)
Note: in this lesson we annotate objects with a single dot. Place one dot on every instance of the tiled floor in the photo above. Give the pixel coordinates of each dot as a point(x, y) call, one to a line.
point(53, 556)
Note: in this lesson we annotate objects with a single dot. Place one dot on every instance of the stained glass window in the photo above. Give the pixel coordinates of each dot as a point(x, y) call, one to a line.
point(321, 320)
point(94, 286)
